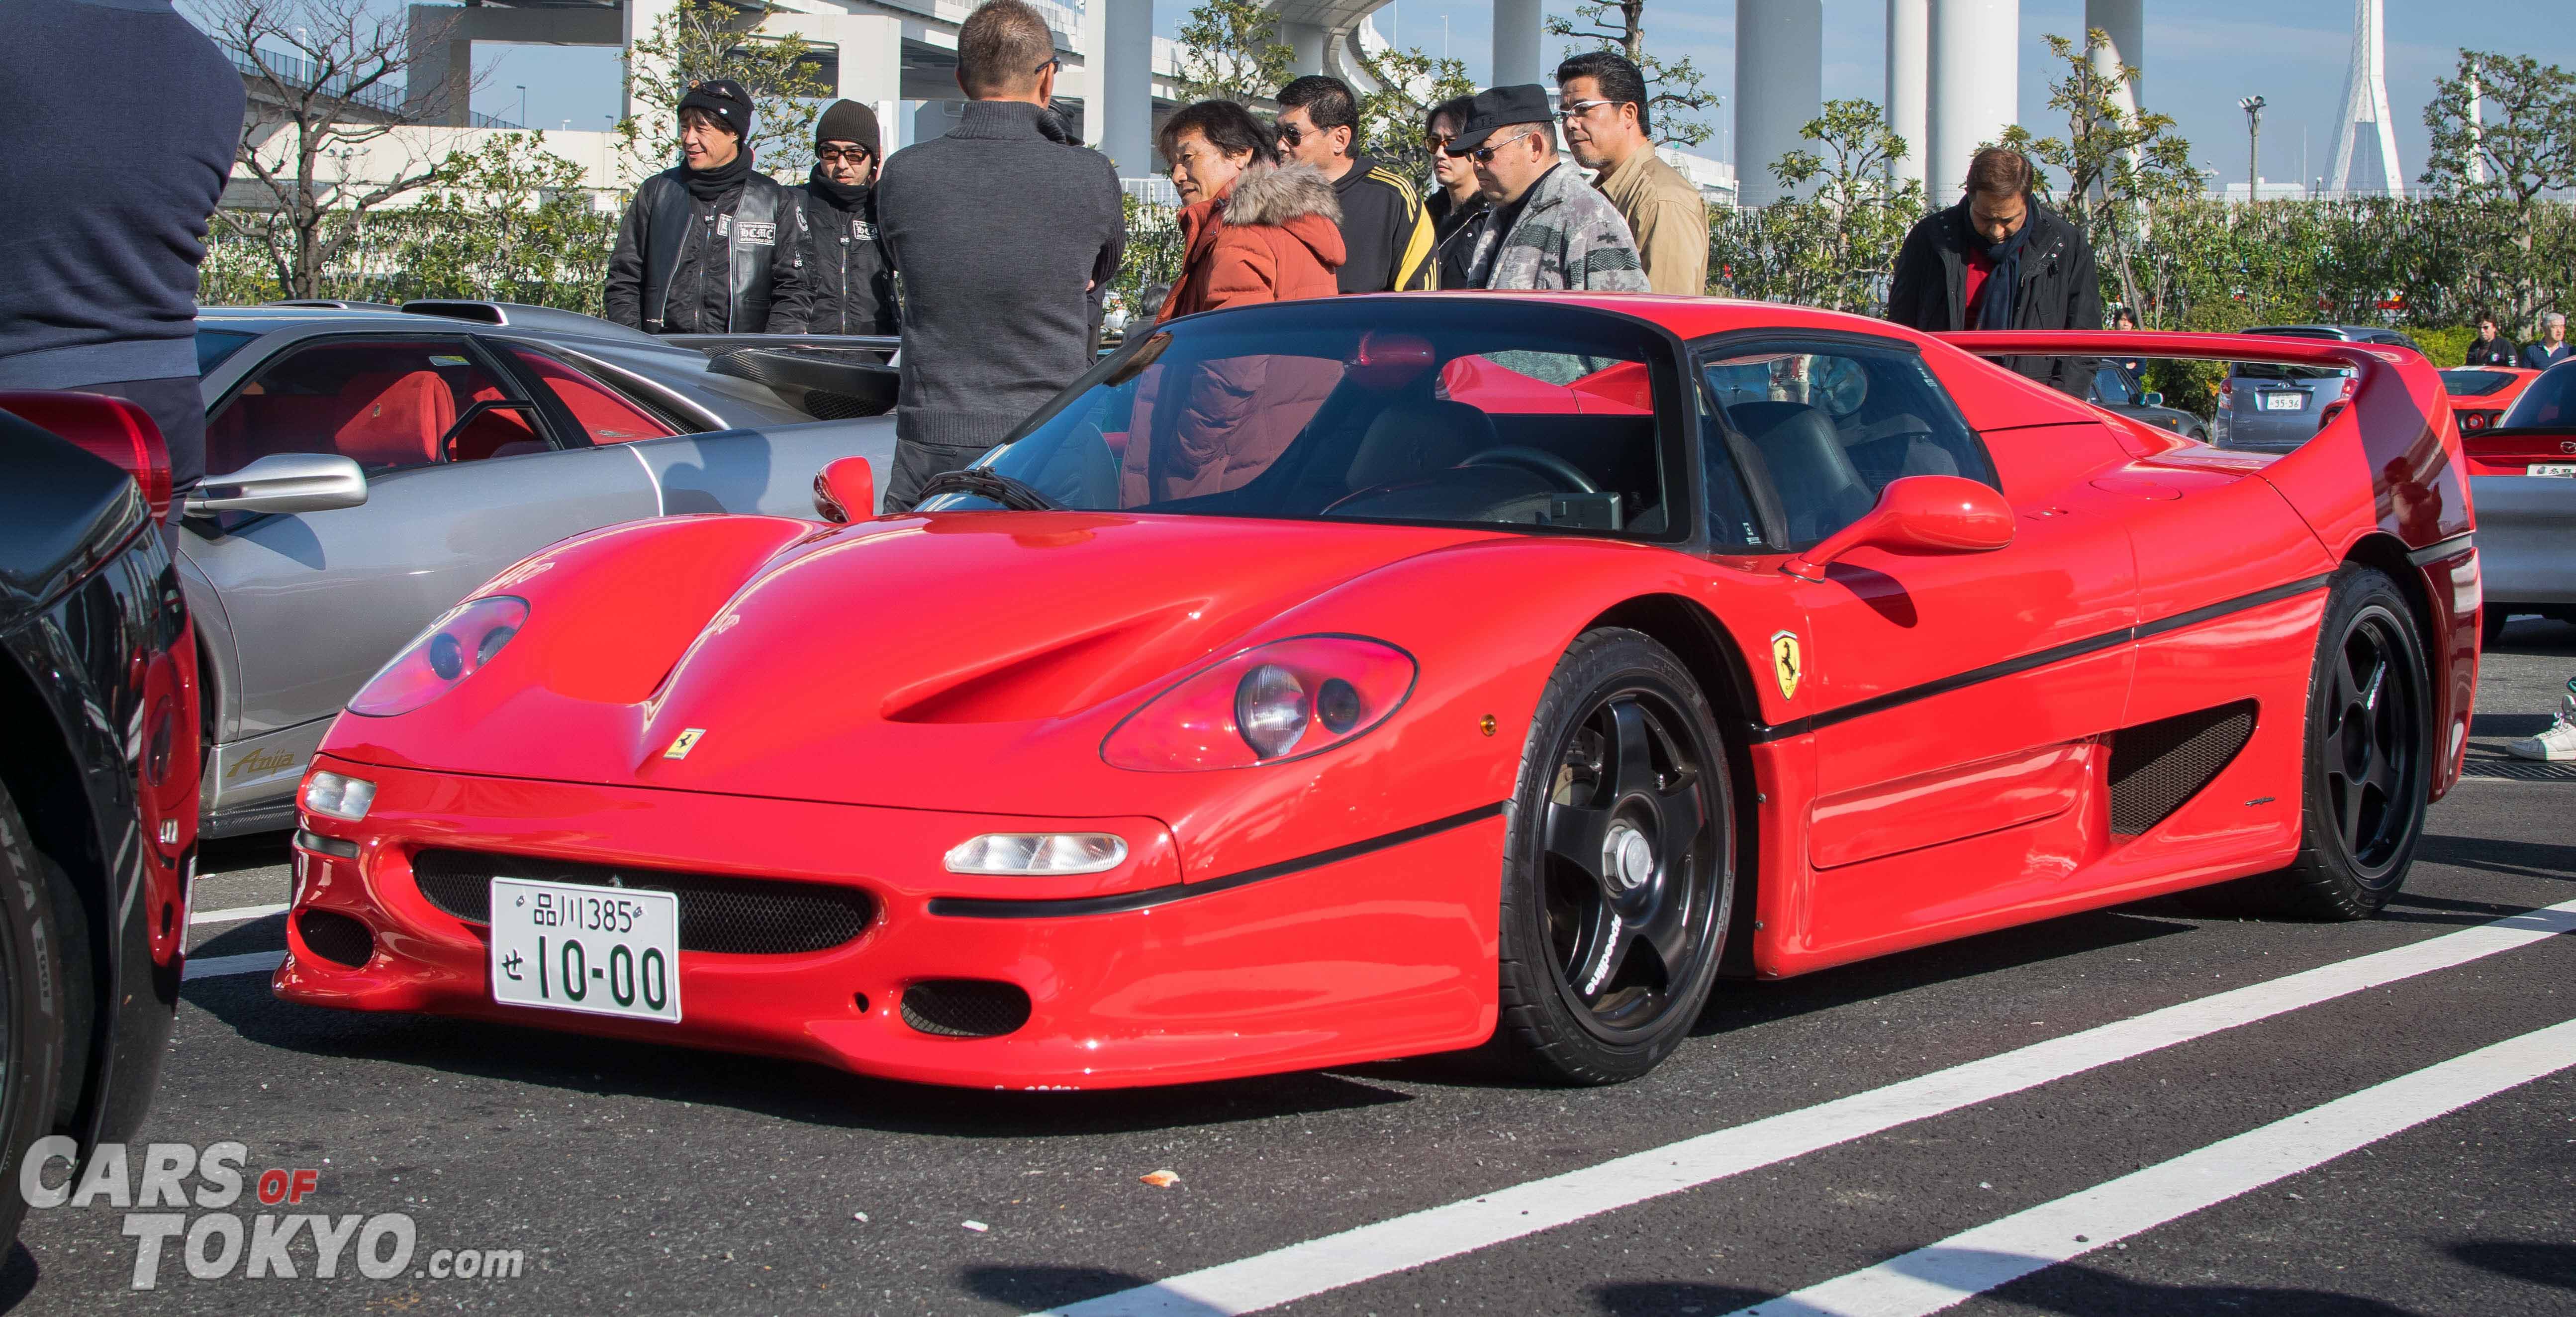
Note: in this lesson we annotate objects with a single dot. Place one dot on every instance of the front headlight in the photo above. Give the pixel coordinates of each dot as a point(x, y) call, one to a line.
point(454, 647)
point(1036, 854)
point(1267, 705)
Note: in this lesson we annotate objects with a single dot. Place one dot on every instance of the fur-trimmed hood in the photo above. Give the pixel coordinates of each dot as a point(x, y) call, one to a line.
point(1267, 194)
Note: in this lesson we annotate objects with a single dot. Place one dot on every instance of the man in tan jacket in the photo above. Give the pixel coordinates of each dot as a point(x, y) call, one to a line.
point(1601, 98)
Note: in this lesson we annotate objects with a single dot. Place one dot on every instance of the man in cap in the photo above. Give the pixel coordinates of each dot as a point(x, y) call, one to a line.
point(1546, 227)
point(846, 271)
point(710, 247)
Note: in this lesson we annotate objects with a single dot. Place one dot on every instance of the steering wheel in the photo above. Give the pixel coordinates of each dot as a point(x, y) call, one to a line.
point(1538, 460)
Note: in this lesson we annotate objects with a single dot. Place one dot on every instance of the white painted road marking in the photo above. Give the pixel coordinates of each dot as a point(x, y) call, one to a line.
point(1972, 1262)
point(1415, 1239)
point(235, 915)
point(216, 967)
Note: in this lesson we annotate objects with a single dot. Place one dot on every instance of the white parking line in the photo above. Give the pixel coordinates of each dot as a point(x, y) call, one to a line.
point(1928, 1280)
point(1366, 1252)
point(234, 915)
point(216, 967)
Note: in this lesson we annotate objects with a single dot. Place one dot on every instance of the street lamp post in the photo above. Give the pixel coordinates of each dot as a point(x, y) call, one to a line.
point(2253, 108)
point(523, 104)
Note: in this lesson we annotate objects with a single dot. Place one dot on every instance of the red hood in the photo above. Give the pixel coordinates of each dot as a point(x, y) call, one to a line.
point(902, 662)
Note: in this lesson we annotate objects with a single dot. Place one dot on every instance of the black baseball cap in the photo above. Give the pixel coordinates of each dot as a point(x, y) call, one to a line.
point(1501, 107)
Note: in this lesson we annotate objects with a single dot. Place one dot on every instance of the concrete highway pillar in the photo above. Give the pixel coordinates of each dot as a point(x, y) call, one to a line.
point(871, 48)
point(1976, 67)
point(1305, 42)
point(2125, 22)
point(1517, 59)
point(1909, 71)
point(1779, 87)
point(440, 83)
point(1123, 90)
point(659, 132)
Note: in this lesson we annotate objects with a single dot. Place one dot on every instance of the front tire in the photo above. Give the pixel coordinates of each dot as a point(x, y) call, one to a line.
point(1618, 866)
point(33, 1007)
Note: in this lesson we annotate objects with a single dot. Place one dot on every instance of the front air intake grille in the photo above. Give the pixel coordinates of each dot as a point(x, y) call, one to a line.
point(336, 937)
point(2157, 766)
point(965, 1008)
point(736, 916)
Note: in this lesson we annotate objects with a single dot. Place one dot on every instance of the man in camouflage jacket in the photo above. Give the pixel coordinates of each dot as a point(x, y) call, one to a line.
point(1546, 227)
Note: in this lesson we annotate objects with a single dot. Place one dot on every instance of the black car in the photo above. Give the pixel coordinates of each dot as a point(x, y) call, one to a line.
point(2115, 388)
point(98, 788)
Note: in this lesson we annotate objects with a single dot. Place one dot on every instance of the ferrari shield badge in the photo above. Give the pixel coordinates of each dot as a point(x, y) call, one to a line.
point(687, 740)
point(1786, 663)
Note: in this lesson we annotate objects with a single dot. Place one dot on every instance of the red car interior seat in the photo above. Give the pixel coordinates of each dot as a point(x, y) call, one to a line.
point(394, 418)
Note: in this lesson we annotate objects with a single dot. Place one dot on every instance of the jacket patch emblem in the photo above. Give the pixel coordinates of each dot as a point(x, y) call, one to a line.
point(758, 235)
point(1786, 663)
point(863, 231)
point(684, 743)
point(724, 226)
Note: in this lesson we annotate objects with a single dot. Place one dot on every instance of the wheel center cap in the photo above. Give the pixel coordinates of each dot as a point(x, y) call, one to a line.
point(1627, 857)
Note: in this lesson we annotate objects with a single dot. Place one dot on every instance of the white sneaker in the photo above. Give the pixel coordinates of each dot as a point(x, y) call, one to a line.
point(2558, 744)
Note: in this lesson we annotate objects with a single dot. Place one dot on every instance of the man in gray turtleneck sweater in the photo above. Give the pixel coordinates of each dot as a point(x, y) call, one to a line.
point(1005, 235)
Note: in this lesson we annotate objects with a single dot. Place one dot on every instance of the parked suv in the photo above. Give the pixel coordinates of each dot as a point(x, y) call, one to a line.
point(2268, 408)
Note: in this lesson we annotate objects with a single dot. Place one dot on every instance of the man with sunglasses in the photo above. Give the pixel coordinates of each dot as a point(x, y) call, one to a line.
point(845, 265)
point(1455, 197)
point(1383, 227)
point(1601, 100)
point(1546, 227)
point(1006, 232)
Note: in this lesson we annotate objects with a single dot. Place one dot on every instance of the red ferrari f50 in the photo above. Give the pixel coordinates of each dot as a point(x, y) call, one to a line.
point(1341, 680)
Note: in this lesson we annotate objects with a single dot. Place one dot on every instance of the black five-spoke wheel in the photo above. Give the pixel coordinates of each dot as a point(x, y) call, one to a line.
point(1620, 870)
point(2373, 738)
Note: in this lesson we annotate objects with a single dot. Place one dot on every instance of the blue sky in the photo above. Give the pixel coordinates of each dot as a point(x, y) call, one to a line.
point(2201, 56)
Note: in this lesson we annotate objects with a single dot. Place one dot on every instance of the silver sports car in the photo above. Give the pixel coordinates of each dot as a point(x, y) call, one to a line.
point(369, 466)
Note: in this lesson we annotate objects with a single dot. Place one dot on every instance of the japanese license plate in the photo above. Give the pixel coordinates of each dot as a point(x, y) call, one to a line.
point(2287, 400)
point(603, 950)
point(2550, 469)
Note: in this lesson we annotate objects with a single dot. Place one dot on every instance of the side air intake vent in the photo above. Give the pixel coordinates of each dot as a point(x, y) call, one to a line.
point(336, 937)
point(2157, 766)
point(965, 1008)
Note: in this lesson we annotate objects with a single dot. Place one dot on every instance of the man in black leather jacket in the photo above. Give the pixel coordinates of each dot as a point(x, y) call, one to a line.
point(846, 270)
point(713, 246)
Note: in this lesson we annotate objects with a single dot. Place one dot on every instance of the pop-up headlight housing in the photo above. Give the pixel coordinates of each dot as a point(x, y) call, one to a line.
point(1267, 705)
point(455, 647)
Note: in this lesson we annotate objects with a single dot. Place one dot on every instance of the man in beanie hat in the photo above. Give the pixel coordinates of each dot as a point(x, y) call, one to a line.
point(845, 266)
point(713, 246)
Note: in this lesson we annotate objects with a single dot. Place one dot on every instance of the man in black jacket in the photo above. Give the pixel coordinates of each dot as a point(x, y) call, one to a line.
point(2491, 348)
point(2000, 260)
point(846, 272)
point(710, 247)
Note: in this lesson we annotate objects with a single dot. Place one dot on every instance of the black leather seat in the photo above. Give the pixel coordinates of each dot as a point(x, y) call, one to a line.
point(1414, 439)
point(1819, 487)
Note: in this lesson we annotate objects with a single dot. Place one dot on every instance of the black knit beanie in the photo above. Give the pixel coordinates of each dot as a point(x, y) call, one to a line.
point(726, 100)
point(848, 121)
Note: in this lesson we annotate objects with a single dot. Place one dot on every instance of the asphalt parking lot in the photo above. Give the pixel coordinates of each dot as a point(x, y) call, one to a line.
point(2107, 1113)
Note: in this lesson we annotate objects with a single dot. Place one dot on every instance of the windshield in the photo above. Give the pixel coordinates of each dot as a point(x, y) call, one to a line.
point(2550, 403)
point(2475, 383)
point(213, 345)
point(1480, 409)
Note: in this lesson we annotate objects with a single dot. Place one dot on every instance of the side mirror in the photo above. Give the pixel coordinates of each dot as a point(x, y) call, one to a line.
point(845, 490)
point(1926, 514)
point(281, 482)
point(2152, 399)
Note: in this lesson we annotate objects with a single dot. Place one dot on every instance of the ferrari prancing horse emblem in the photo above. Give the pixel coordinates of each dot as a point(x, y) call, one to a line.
point(687, 741)
point(1785, 663)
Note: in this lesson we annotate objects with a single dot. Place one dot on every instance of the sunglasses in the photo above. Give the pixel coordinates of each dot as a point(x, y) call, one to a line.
point(1484, 155)
point(1577, 109)
point(1291, 134)
point(854, 154)
point(1057, 64)
point(1438, 141)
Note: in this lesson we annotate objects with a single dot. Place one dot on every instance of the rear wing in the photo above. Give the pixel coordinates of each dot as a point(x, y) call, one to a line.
point(2398, 440)
point(716, 345)
point(826, 383)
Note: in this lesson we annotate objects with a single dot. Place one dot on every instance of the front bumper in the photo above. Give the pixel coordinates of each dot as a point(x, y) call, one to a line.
point(1387, 953)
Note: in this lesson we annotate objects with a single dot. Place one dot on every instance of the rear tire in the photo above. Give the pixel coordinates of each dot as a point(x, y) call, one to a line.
point(2366, 769)
point(1618, 866)
point(33, 1006)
